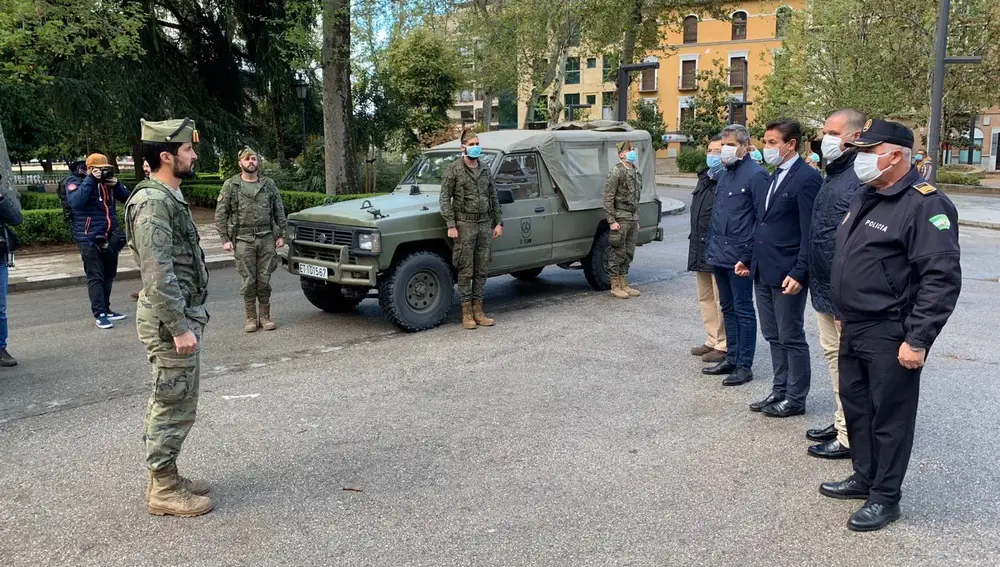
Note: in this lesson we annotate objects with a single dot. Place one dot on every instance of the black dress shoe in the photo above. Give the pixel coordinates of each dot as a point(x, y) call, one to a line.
point(784, 408)
point(830, 450)
point(873, 516)
point(828, 433)
point(724, 367)
point(850, 489)
point(738, 377)
point(770, 399)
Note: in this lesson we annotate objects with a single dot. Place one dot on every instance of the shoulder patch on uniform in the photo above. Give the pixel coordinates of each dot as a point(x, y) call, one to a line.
point(925, 188)
point(942, 222)
point(71, 187)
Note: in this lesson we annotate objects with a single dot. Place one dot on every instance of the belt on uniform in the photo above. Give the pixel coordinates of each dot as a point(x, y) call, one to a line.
point(252, 230)
point(472, 217)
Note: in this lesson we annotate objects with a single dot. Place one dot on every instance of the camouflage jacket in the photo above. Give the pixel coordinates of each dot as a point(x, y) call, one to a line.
point(246, 211)
point(621, 194)
point(161, 233)
point(468, 195)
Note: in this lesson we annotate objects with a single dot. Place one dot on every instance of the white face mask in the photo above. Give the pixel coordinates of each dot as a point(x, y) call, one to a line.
point(866, 167)
point(831, 147)
point(729, 155)
point(772, 156)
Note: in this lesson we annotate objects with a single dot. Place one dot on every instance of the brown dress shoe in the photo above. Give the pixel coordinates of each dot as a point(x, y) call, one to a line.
point(701, 350)
point(714, 356)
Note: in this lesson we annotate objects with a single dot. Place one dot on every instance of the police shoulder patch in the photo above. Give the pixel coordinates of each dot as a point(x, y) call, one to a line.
point(71, 187)
point(941, 222)
point(925, 188)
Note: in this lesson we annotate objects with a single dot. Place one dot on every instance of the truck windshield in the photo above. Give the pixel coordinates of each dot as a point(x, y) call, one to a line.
point(431, 167)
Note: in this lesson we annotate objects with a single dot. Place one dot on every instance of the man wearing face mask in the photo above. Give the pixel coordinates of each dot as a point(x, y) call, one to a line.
point(780, 267)
point(471, 209)
point(714, 347)
point(730, 246)
point(896, 280)
point(621, 204)
point(832, 201)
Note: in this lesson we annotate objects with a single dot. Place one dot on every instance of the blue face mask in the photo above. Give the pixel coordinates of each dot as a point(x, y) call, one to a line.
point(756, 155)
point(814, 156)
point(632, 156)
point(713, 162)
point(474, 151)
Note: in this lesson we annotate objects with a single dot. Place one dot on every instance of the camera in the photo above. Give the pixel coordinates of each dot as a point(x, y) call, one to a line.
point(101, 243)
point(107, 173)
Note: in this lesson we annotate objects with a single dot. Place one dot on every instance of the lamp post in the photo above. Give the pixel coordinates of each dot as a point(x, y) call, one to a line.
point(940, 60)
point(623, 73)
point(302, 91)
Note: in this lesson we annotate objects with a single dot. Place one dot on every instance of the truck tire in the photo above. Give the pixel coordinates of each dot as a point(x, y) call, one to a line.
point(527, 275)
point(417, 291)
point(329, 297)
point(595, 265)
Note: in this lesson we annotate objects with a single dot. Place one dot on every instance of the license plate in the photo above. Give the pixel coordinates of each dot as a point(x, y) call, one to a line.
point(313, 271)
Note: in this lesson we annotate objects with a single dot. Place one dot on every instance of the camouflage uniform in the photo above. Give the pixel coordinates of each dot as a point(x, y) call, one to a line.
point(469, 203)
point(252, 217)
point(621, 202)
point(164, 241)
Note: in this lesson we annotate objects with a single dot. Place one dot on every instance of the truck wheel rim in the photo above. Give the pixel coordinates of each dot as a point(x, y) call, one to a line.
point(423, 291)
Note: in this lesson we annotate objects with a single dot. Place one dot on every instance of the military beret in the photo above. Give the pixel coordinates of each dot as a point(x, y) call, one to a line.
point(247, 151)
point(878, 132)
point(624, 146)
point(169, 131)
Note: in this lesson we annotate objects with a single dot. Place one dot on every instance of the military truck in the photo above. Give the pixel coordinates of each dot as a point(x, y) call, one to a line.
point(550, 185)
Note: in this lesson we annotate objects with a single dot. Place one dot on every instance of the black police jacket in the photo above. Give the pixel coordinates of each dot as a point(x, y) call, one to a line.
point(897, 258)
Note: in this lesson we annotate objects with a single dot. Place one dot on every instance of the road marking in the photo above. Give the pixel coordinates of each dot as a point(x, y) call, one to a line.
point(241, 397)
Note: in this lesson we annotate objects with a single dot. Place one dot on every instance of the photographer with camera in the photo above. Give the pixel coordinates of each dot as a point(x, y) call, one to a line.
point(96, 230)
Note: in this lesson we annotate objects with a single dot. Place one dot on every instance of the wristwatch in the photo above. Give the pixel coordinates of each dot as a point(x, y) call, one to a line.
point(915, 349)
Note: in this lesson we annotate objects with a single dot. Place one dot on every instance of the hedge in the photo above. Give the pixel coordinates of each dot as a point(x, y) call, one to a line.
point(43, 226)
point(691, 159)
point(32, 200)
point(207, 196)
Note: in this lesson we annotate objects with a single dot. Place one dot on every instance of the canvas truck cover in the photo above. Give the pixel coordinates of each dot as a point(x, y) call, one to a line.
point(578, 156)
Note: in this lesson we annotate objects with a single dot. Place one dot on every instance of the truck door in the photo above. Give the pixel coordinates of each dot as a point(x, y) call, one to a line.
point(527, 228)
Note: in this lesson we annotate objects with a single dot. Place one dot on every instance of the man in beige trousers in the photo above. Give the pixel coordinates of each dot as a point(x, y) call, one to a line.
point(714, 347)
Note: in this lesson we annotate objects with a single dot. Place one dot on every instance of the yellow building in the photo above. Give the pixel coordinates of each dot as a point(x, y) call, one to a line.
point(588, 80)
point(744, 45)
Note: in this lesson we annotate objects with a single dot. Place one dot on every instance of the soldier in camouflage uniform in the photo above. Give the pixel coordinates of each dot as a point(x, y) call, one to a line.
point(621, 203)
point(170, 315)
point(251, 215)
point(471, 210)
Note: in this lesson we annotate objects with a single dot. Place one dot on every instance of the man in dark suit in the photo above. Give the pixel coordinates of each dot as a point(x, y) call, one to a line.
point(780, 266)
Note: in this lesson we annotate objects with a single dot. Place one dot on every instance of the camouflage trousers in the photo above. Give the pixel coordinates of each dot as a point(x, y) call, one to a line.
point(256, 260)
point(622, 248)
point(472, 255)
point(170, 412)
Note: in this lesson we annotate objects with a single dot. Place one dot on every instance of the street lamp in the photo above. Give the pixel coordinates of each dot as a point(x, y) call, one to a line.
point(623, 73)
point(940, 60)
point(302, 91)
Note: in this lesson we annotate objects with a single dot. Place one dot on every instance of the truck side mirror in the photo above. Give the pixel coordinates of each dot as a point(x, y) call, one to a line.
point(505, 196)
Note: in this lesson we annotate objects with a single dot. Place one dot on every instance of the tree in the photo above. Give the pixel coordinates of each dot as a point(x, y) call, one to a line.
point(340, 165)
point(489, 39)
point(708, 109)
point(649, 118)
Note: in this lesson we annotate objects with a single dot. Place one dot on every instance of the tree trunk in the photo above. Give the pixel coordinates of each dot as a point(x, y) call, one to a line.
point(529, 115)
point(277, 105)
point(487, 109)
point(6, 169)
point(340, 168)
point(137, 160)
point(629, 42)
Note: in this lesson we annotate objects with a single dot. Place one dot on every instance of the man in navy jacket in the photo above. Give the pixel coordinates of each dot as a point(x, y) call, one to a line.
point(730, 244)
point(95, 229)
point(780, 266)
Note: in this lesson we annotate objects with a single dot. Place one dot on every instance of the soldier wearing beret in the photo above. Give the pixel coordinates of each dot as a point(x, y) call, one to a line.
point(250, 218)
point(896, 279)
point(621, 204)
point(471, 209)
point(170, 315)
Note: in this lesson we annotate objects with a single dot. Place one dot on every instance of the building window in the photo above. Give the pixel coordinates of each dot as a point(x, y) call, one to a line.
point(572, 70)
point(737, 71)
point(739, 114)
point(689, 75)
point(607, 66)
point(519, 174)
point(591, 99)
point(781, 19)
point(591, 62)
point(571, 99)
point(739, 26)
point(691, 29)
point(647, 84)
point(686, 114)
point(466, 96)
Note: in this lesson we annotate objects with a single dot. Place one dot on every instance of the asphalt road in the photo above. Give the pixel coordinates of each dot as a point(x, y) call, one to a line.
point(576, 432)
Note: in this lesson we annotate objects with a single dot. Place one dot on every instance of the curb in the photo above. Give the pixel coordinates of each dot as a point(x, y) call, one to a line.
point(979, 224)
point(125, 274)
point(672, 207)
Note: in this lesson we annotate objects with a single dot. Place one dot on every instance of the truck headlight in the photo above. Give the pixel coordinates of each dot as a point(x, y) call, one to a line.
point(290, 229)
point(370, 242)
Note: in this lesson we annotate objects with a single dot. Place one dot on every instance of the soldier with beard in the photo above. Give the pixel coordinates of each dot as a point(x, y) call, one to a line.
point(250, 218)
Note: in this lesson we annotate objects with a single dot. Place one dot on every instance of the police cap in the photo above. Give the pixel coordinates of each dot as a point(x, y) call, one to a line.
point(878, 132)
point(176, 131)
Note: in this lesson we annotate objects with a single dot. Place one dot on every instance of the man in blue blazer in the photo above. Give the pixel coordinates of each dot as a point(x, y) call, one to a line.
point(780, 266)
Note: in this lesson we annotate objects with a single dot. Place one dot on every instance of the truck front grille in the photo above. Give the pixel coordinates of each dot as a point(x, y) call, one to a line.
point(325, 236)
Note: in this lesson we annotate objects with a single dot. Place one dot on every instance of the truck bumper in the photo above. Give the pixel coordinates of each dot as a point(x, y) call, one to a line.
point(310, 259)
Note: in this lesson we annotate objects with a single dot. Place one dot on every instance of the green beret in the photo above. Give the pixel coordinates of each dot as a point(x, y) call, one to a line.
point(176, 131)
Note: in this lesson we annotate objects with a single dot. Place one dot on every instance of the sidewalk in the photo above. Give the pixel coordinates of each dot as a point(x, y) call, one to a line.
point(973, 210)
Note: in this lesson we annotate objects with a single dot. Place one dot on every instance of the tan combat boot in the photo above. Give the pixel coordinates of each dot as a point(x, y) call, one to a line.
point(199, 487)
point(629, 289)
point(478, 316)
point(169, 497)
point(617, 288)
point(266, 322)
point(468, 321)
point(250, 307)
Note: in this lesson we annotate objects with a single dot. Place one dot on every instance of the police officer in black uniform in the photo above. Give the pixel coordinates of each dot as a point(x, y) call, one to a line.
point(896, 278)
